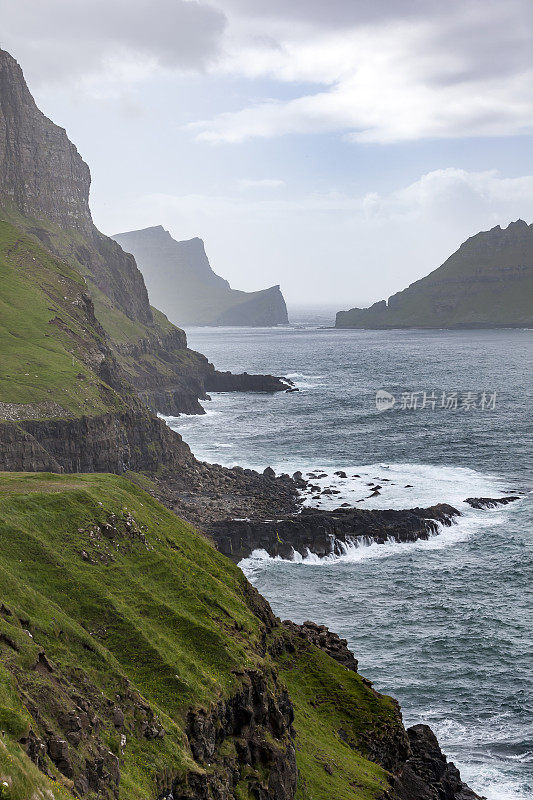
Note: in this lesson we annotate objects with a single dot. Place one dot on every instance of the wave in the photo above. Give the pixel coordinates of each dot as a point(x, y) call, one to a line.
point(402, 485)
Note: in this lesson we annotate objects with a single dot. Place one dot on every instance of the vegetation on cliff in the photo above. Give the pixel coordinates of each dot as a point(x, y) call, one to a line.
point(486, 283)
point(117, 620)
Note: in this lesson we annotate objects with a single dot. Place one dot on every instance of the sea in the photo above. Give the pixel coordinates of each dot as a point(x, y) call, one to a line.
point(443, 625)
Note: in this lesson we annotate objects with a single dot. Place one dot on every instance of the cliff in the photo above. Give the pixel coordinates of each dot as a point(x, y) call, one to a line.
point(138, 663)
point(44, 195)
point(487, 283)
point(181, 283)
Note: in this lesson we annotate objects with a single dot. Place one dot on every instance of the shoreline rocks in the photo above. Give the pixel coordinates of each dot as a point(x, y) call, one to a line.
point(326, 532)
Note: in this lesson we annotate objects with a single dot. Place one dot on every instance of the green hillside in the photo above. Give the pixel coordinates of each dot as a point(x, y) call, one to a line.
point(486, 283)
point(48, 337)
point(112, 610)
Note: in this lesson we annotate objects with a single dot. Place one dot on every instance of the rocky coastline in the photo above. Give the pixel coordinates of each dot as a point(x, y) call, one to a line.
point(325, 533)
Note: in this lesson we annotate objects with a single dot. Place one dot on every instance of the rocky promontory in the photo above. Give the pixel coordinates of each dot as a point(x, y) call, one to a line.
point(182, 284)
point(324, 533)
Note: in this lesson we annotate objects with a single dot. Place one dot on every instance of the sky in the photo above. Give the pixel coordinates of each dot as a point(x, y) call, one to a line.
point(342, 149)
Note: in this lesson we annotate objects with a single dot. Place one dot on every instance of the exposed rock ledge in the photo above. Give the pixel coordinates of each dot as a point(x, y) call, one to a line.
point(326, 532)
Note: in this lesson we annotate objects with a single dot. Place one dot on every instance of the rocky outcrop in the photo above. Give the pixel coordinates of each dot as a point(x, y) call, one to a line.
point(326, 640)
point(257, 720)
point(216, 381)
point(113, 442)
point(490, 502)
point(181, 282)
point(487, 283)
point(326, 533)
point(427, 774)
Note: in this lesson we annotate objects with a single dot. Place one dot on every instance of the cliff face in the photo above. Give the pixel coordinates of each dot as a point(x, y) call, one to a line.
point(487, 283)
point(43, 177)
point(181, 282)
point(44, 192)
point(41, 171)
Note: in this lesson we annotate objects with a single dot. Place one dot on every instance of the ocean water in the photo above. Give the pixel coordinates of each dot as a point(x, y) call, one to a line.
point(443, 625)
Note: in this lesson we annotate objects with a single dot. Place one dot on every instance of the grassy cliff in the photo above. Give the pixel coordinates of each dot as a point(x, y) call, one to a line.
point(486, 283)
point(125, 638)
point(51, 343)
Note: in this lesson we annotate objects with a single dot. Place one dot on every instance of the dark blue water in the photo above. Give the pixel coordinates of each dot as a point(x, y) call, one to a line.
point(443, 625)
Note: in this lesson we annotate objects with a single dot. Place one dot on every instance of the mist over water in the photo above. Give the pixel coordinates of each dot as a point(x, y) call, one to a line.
point(443, 625)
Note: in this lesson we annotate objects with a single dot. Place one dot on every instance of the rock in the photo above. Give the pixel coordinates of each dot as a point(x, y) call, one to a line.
point(269, 473)
point(488, 502)
point(341, 474)
point(427, 774)
point(325, 532)
point(118, 717)
point(326, 640)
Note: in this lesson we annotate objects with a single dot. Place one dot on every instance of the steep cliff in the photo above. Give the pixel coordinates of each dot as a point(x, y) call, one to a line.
point(137, 663)
point(181, 283)
point(487, 283)
point(44, 194)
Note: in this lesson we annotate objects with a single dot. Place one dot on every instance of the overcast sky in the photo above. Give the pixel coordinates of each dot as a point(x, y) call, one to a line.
point(341, 148)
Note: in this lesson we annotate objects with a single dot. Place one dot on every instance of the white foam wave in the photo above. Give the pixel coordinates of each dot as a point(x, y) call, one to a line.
point(401, 485)
point(294, 375)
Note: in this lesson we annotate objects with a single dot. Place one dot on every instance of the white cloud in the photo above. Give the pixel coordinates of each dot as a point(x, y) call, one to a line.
point(109, 40)
point(260, 183)
point(465, 73)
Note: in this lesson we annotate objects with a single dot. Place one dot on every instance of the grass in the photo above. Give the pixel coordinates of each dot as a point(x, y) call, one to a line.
point(44, 333)
point(158, 617)
point(29, 277)
point(329, 700)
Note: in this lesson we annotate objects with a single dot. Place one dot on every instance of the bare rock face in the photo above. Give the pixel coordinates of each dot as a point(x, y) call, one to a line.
point(326, 532)
point(40, 169)
point(427, 774)
point(326, 640)
point(43, 177)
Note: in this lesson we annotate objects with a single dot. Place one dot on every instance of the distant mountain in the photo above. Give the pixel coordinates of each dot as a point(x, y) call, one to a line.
point(486, 283)
point(181, 283)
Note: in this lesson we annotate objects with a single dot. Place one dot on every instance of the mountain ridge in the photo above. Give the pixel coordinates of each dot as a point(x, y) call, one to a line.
point(487, 282)
point(182, 283)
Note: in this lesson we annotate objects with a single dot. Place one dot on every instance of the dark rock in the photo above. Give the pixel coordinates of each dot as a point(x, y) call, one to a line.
point(488, 502)
point(118, 718)
point(326, 532)
point(269, 472)
point(341, 474)
point(326, 640)
point(427, 774)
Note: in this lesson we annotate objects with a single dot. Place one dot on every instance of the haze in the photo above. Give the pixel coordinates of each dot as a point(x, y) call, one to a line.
point(341, 149)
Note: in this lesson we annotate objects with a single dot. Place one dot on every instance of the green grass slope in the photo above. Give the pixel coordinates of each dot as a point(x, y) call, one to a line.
point(47, 338)
point(108, 600)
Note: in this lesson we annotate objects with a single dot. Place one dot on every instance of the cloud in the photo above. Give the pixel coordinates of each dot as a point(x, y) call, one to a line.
point(438, 71)
point(261, 183)
point(66, 39)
